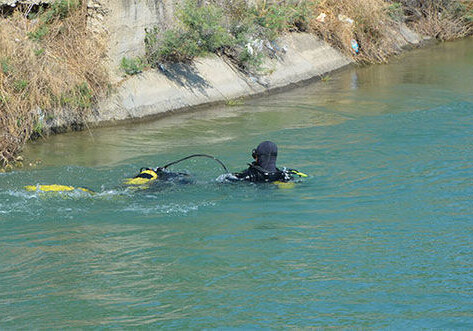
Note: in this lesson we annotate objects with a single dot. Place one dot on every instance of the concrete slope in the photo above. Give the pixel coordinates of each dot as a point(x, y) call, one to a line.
point(212, 80)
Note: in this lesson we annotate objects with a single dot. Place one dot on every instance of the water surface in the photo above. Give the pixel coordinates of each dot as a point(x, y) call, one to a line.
point(379, 236)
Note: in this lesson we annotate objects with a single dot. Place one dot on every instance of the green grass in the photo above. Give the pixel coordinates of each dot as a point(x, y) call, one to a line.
point(5, 65)
point(396, 12)
point(210, 29)
point(20, 85)
point(79, 97)
point(235, 102)
point(132, 66)
point(39, 52)
point(39, 33)
point(60, 9)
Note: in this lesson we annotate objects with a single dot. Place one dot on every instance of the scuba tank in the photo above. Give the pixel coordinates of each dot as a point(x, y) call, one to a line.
point(147, 176)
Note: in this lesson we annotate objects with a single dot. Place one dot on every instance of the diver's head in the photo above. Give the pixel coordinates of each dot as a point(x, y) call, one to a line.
point(265, 155)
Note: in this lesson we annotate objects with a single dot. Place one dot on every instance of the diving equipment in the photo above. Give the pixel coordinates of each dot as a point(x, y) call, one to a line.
point(56, 188)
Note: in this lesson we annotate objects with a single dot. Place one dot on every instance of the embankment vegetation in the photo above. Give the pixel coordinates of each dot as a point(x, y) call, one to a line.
point(367, 30)
point(51, 65)
point(50, 70)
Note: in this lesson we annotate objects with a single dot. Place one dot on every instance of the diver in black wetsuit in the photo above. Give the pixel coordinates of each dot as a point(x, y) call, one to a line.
point(264, 169)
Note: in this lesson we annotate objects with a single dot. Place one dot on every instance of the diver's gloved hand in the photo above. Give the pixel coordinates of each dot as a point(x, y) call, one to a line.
point(227, 178)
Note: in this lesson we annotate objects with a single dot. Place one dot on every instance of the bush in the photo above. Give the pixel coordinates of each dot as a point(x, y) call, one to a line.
point(171, 46)
point(250, 62)
point(396, 12)
point(202, 30)
point(370, 25)
point(229, 28)
point(277, 18)
point(60, 9)
point(209, 25)
point(132, 66)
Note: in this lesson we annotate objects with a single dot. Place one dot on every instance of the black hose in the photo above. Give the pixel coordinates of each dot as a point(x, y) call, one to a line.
point(197, 155)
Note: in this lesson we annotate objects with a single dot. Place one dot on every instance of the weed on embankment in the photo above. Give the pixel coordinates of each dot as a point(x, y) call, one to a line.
point(374, 24)
point(50, 68)
point(235, 29)
point(441, 19)
point(366, 30)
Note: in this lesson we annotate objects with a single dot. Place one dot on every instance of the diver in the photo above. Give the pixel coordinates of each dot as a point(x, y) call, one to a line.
point(264, 169)
point(148, 176)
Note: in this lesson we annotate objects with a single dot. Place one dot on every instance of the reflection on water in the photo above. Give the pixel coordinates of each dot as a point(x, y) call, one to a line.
point(420, 79)
point(379, 236)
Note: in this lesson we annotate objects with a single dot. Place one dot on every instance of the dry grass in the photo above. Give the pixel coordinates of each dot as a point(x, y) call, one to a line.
point(56, 76)
point(372, 28)
point(444, 20)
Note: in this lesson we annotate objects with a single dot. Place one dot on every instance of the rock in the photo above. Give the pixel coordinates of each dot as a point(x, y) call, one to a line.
point(410, 36)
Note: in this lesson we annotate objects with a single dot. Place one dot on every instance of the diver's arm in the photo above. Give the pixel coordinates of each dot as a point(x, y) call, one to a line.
point(245, 174)
point(236, 176)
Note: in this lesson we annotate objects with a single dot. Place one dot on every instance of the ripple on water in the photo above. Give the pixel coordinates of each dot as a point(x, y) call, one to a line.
point(378, 237)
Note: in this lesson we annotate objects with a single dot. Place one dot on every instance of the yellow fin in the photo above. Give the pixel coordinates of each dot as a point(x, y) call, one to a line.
point(55, 188)
point(285, 185)
point(86, 190)
point(49, 188)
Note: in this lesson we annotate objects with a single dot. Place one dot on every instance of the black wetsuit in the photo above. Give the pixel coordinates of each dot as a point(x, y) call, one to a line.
point(256, 173)
point(264, 169)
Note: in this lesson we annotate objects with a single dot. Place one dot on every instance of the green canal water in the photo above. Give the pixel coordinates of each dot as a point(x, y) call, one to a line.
point(379, 236)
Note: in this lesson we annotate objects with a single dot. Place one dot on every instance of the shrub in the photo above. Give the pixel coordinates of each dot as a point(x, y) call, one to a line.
point(227, 28)
point(276, 18)
point(132, 66)
point(60, 9)
point(209, 25)
point(202, 30)
point(250, 62)
point(171, 46)
point(396, 12)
